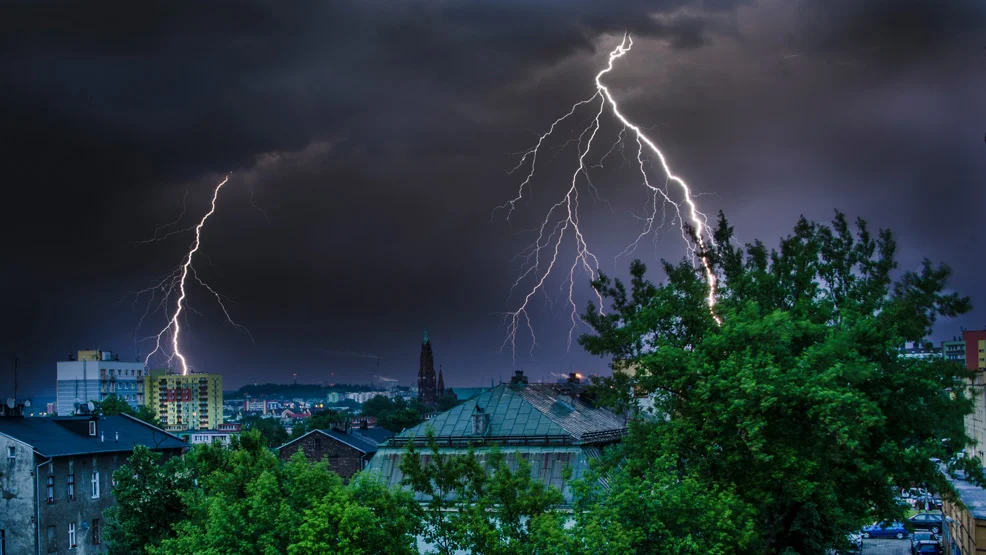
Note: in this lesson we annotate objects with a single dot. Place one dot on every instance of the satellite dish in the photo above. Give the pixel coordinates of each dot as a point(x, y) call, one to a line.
point(90, 406)
point(27, 403)
point(10, 402)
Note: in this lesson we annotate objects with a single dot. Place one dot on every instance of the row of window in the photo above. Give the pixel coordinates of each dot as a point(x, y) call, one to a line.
point(122, 372)
point(73, 537)
point(70, 487)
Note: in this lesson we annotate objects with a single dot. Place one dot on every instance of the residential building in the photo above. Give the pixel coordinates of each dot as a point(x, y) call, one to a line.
point(975, 422)
point(965, 530)
point(57, 478)
point(208, 437)
point(185, 401)
point(95, 375)
point(953, 350)
point(427, 386)
point(346, 451)
point(553, 426)
point(921, 351)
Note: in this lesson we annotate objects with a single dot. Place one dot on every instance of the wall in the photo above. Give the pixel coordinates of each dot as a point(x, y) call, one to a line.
point(343, 459)
point(17, 503)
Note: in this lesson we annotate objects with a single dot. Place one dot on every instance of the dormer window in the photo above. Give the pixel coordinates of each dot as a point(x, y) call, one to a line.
point(92, 428)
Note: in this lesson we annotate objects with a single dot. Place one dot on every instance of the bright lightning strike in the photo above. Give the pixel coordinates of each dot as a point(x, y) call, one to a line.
point(174, 283)
point(562, 219)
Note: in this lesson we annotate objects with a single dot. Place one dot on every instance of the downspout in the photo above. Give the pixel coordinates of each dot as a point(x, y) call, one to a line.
point(37, 499)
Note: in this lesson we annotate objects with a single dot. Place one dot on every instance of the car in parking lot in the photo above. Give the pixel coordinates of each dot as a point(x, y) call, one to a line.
point(927, 548)
point(926, 521)
point(921, 537)
point(885, 530)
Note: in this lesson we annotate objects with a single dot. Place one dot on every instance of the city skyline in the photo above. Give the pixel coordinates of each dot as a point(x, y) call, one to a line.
point(368, 149)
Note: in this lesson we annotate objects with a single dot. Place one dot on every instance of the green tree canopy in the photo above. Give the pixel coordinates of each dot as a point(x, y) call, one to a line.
point(796, 415)
point(395, 414)
point(114, 405)
point(273, 433)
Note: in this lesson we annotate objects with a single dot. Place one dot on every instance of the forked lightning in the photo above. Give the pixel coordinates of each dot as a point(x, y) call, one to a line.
point(562, 218)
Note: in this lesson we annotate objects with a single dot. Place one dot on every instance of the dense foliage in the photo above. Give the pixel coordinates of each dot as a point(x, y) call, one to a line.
point(395, 414)
point(273, 433)
point(321, 420)
point(785, 427)
point(244, 500)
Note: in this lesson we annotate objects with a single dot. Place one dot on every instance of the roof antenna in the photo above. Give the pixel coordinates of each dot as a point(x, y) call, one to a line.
point(15, 377)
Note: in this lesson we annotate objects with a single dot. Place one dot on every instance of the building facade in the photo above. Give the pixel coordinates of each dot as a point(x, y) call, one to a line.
point(57, 478)
point(94, 376)
point(552, 426)
point(185, 401)
point(954, 350)
point(208, 437)
point(975, 422)
point(346, 452)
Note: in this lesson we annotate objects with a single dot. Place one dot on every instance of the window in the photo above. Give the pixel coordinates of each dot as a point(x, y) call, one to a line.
point(92, 428)
point(50, 489)
point(95, 532)
point(11, 454)
point(70, 493)
point(95, 484)
point(71, 535)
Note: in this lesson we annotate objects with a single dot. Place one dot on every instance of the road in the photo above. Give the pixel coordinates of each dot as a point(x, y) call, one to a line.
point(886, 547)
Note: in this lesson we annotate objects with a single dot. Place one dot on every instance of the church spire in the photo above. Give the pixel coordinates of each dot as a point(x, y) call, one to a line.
point(441, 382)
point(426, 337)
point(426, 374)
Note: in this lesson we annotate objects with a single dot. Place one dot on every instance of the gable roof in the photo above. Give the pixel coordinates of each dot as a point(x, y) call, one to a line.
point(533, 413)
point(63, 436)
point(376, 434)
point(360, 443)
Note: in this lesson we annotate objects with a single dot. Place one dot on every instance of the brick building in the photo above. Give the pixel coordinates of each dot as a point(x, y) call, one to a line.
point(346, 452)
point(56, 478)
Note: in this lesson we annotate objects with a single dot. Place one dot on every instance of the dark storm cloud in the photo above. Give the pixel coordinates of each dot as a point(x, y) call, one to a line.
point(374, 136)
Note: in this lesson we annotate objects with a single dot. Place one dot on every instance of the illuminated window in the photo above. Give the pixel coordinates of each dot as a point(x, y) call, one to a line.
point(71, 535)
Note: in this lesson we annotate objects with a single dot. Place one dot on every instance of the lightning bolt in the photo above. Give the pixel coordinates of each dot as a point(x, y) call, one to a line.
point(175, 283)
point(562, 219)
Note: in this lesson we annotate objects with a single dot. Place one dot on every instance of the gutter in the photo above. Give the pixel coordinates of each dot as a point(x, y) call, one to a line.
point(37, 499)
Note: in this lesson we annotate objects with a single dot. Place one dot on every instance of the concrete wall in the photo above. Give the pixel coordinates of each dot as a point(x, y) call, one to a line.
point(17, 503)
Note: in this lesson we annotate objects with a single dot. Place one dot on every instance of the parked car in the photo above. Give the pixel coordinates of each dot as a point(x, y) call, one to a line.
point(928, 548)
point(885, 530)
point(922, 536)
point(926, 521)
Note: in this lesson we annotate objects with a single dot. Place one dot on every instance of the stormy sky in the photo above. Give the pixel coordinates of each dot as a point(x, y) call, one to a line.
point(369, 143)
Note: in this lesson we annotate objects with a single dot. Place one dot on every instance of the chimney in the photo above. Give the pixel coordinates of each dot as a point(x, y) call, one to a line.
point(480, 421)
point(518, 378)
point(573, 378)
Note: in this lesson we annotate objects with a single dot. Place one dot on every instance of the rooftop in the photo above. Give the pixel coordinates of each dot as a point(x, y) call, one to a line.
point(69, 435)
point(973, 496)
point(529, 414)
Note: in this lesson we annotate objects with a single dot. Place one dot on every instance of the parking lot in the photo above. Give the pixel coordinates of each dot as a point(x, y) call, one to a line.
point(886, 547)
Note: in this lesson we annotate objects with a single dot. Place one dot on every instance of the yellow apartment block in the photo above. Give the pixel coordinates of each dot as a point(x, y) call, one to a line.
point(185, 402)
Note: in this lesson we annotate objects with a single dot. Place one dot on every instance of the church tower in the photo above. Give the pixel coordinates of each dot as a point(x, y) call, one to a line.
point(441, 383)
point(427, 393)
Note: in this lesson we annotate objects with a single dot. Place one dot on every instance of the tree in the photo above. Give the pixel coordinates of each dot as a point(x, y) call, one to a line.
point(395, 414)
point(321, 420)
point(114, 405)
point(248, 502)
point(796, 414)
point(482, 505)
point(148, 501)
point(270, 429)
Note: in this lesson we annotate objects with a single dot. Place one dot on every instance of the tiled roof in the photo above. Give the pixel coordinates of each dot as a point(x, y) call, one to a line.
point(545, 413)
point(61, 436)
